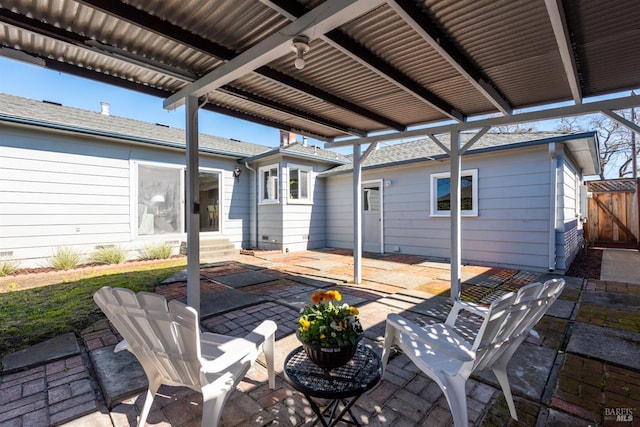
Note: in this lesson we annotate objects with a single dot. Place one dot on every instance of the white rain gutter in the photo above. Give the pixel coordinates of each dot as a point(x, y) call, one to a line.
point(253, 231)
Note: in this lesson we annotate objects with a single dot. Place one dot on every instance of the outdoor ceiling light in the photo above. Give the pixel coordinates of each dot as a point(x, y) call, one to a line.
point(300, 46)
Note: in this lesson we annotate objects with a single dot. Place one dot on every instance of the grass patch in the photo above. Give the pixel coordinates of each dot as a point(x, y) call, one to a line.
point(31, 316)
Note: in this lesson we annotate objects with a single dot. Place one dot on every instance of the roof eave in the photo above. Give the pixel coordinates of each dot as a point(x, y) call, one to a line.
point(20, 121)
point(285, 152)
point(584, 148)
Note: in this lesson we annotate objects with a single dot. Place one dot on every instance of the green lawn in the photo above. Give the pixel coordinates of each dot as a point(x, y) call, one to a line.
point(30, 316)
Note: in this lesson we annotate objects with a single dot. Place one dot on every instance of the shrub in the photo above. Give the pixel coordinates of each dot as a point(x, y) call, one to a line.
point(7, 267)
point(108, 255)
point(157, 251)
point(65, 258)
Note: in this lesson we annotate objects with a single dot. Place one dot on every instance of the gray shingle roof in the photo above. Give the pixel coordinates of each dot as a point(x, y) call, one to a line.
point(43, 113)
point(54, 115)
point(38, 113)
point(423, 149)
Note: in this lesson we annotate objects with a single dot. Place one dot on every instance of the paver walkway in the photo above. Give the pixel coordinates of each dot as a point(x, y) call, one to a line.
point(582, 371)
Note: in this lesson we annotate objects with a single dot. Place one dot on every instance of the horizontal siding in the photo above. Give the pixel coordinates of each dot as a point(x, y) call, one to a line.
point(59, 190)
point(61, 209)
point(64, 171)
point(88, 200)
point(70, 219)
point(105, 188)
point(569, 229)
point(512, 226)
point(60, 234)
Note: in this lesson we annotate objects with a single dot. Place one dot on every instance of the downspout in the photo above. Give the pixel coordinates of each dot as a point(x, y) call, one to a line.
point(253, 212)
point(553, 201)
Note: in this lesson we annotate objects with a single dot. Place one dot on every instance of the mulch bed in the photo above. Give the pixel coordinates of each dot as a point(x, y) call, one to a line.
point(587, 264)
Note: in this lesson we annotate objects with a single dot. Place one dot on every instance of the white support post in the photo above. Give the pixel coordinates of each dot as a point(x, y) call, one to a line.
point(456, 240)
point(357, 215)
point(192, 204)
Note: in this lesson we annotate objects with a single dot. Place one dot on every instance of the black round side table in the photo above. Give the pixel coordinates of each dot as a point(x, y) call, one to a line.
point(341, 385)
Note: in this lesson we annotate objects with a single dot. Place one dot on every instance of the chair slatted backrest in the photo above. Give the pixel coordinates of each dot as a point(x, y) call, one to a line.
point(511, 318)
point(165, 336)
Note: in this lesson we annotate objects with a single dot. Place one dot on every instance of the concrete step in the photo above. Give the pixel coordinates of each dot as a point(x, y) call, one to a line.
point(212, 248)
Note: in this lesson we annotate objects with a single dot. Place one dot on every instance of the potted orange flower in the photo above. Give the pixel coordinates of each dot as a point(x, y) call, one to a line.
point(329, 330)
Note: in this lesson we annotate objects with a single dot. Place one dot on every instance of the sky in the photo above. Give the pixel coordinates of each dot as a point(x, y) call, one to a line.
point(30, 81)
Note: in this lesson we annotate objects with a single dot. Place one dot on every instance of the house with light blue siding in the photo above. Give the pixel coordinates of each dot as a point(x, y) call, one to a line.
point(520, 194)
point(86, 180)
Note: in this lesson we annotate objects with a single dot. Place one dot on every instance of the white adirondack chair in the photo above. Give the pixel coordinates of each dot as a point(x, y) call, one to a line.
point(166, 340)
point(449, 359)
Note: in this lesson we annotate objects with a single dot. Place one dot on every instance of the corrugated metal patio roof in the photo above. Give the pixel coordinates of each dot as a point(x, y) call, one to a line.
point(372, 65)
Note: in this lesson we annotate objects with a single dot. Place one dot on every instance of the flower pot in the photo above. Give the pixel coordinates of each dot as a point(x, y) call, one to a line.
point(329, 357)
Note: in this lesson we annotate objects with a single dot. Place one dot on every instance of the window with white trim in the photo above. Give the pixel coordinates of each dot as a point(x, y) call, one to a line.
point(269, 184)
point(299, 184)
point(159, 197)
point(441, 193)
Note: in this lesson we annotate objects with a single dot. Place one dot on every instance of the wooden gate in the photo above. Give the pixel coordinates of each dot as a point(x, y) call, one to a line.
point(612, 215)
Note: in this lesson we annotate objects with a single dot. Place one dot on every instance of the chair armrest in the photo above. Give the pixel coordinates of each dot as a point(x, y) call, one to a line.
point(473, 308)
point(122, 345)
point(466, 306)
point(439, 337)
point(224, 351)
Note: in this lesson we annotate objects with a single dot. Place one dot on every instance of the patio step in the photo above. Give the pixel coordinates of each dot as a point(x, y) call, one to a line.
point(211, 249)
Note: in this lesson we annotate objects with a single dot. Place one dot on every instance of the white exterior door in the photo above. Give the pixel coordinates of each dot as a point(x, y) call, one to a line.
point(372, 217)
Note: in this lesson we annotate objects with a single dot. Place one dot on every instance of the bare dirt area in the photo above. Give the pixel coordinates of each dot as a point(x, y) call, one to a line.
point(587, 264)
point(28, 278)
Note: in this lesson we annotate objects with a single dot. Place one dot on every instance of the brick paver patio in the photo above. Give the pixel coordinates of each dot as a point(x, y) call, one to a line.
point(580, 390)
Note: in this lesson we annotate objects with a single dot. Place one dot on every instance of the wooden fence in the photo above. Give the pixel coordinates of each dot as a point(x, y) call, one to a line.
point(612, 214)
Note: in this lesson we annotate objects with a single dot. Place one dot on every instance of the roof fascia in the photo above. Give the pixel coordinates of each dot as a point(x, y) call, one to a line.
point(533, 116)
point(284, 152)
